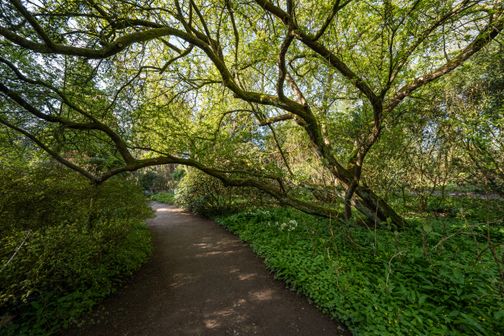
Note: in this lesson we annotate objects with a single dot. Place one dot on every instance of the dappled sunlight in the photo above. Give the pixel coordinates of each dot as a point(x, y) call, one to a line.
point(223, 312)
point(202, 245)
point(221, 248)
point(219, 317)
point(183, 279)
point(262, 295)
point(169, 210)
point(215, 253)
point(249, 276)
point(239, 303)
point(211, 323)
point(226, 243)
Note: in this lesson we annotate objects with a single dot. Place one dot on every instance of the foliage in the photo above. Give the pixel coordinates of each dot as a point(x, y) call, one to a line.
point(205, 195)
point(164, 197)
point(152, 181)
point(289, 97)
point(451, 137)
point(437, 277)
point(380, 107)
point(159, 179)
point(65, 244)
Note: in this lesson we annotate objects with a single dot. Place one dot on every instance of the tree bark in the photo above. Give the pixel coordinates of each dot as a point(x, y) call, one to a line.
point(379, 209)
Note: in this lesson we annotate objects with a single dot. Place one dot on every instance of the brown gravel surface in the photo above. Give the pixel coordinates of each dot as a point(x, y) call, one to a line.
point(202, 280)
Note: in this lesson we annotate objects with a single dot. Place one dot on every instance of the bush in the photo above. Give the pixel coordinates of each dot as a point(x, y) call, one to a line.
point(164, 197)
point(64, 245)
point(206, 195)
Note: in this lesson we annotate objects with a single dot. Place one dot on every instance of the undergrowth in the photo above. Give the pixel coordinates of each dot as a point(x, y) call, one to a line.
point(437, 277)
point(164, 197)
point(64, 246)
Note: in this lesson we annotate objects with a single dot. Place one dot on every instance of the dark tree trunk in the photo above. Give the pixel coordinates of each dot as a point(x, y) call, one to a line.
point(375, 208)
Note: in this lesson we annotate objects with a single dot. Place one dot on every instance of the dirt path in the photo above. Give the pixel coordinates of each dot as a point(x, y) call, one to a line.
point(202, 280)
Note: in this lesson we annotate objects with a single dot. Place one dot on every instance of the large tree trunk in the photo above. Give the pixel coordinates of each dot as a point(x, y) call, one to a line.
point(376, 209)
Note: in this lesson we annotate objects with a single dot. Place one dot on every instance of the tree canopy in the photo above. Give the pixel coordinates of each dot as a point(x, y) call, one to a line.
point(290, 97)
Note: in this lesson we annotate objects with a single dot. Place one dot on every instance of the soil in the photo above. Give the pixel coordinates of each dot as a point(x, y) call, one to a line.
point(202, 280)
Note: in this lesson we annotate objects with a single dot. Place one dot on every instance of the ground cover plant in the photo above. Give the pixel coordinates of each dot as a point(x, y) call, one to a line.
point(438, 276)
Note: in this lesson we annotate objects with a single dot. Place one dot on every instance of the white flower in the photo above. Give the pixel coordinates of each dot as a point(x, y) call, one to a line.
point(289, 226)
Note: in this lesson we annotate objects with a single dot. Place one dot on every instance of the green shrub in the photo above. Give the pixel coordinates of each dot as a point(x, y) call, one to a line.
point(206, 195)
point(64, 245)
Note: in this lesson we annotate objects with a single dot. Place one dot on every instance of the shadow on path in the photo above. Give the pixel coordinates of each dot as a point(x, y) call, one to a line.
point(202, 280)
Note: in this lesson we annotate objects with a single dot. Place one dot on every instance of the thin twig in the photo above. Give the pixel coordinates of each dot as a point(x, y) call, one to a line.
point(28, 234)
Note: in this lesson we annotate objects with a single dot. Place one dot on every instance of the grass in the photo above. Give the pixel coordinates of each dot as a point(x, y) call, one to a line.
point(436, 277)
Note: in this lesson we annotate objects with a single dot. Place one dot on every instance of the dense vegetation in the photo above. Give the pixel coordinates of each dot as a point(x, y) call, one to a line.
point(382, 121)
point(435, 278)
point(64, 244)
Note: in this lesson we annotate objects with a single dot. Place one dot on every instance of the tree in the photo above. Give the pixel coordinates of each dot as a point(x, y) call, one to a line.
point(216, 85)
point(477, 101)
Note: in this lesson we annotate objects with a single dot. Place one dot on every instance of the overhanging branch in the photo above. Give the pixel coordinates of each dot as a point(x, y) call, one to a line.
point(483, 39)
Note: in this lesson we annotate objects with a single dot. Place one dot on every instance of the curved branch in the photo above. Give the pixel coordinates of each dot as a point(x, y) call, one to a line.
point(335, 9)
point(49, 151)
point(33, 22)
point(93, 125)
point(108, 50)
point(275, 119)
point(273, 191)
point(323, 51)
point(483, 39)
point(461, 7)
point(282, 71)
